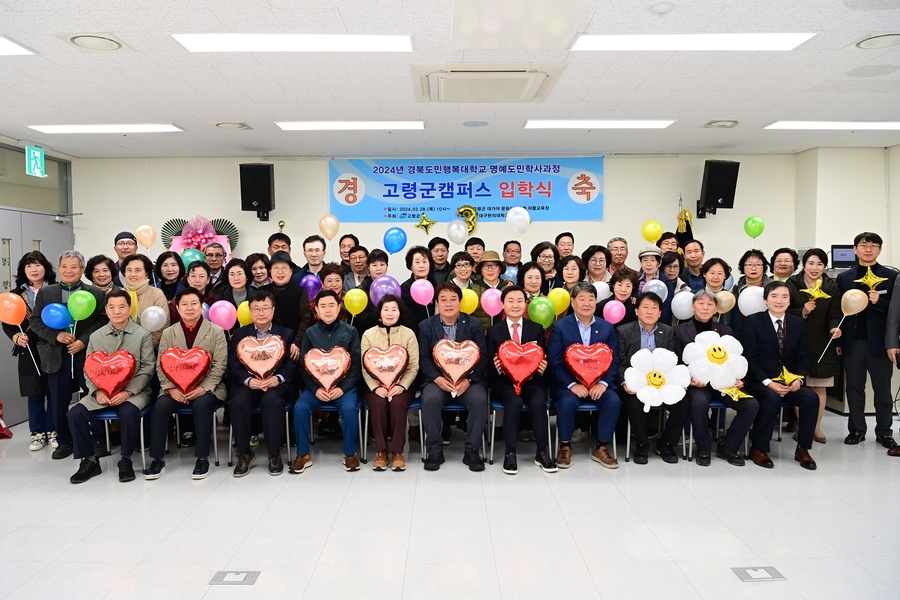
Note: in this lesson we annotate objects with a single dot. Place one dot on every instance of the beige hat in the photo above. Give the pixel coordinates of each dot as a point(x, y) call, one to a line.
point(490, 256)
point(651, 251)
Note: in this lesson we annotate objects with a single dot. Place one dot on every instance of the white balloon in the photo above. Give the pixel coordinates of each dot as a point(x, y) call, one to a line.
point(518, 219)
point(457, 231)
point(751, 301)
point(153, 318)
point(657, 287)
point(683, 305)
point(603, 291)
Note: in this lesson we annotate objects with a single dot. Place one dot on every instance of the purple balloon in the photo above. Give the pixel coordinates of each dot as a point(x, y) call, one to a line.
point(312, 284)
point(383, 286)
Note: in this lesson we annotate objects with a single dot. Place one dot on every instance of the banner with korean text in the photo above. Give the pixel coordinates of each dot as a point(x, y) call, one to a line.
point(400, 190)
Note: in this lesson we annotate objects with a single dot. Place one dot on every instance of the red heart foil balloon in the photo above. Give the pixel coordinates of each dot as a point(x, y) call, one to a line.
point(110, 372)
point(185, 368)
point(588, 363)
point(456, 360)
point(327, 368)
point(261, 357)
point(519, 362)
point(388, 365)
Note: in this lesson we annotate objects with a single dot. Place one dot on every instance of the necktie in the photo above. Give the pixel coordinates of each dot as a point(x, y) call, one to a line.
point(515, 336)
point(779, 333)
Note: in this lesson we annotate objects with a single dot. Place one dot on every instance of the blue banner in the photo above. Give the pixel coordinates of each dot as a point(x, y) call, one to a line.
point(400, 190)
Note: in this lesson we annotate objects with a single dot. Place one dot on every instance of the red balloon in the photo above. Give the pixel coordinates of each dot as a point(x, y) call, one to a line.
point(388, 365)
point(456, 360)
point(588, 363)
point(110, 372)
point(12, 308)
point(261, 357)
point(327, 368)
point(519, 362)
point(186, 369)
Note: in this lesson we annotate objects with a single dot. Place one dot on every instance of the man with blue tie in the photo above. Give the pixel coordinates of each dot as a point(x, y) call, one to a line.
point(582, 327)
point(775, 348)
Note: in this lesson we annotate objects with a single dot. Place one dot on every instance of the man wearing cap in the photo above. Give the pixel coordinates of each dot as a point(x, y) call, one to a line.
point(125, 246)
point(489, 271)
point(292, 309)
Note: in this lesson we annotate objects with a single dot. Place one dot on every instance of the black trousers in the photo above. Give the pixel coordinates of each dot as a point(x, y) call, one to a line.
point(393, 424)
point(61, 386)
point(434, 399)
point(770, 408)
point(536, 398)
point(80, 417)
point(857, 361)
point(746, 410)
point(671, 433)
point(271, 403)
point(202, 410)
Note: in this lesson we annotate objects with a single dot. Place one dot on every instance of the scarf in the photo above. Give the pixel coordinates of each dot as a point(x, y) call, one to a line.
point(134, 292)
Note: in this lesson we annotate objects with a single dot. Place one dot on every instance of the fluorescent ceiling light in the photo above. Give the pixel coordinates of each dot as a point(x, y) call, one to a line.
point(115, 128)
point(596, 124)
point(348, 125)
point(691, 42)
point(10, 48)
point(292, 42)
point(836, 125)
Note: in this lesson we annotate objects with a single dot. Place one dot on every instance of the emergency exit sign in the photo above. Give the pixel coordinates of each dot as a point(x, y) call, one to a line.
point(34, 161)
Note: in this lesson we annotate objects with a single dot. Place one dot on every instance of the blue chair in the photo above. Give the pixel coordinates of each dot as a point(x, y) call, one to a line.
point(415, 405)
point(288, 407)
point(187, 410)
point(109, 414)
point(589, 407)
point(360, 407)
point(499, 406)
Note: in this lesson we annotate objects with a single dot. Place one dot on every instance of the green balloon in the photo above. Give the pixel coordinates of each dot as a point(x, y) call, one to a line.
point(754, 226)
point(190, 255)
point(81, 305)
point(541, 311)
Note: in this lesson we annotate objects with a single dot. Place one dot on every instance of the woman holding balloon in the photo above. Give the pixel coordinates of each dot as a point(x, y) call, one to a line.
point(33, 273)
point(753, 266)
point(136, 270)
point(420, 265)
point(620, 307)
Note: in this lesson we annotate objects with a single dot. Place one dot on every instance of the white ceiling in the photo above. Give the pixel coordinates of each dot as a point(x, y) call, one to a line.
point(161, 82)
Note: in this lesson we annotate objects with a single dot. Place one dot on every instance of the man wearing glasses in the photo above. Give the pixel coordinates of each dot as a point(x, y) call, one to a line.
point(125, 246)
point(215, 259)
point(314, 252)
point(618, 249)
point(862, 343)
point(512, 254)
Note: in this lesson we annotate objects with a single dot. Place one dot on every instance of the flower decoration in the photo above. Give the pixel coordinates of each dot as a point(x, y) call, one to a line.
point(656, 378)
point(198, 233)
point(178, 234)
point(715, 360)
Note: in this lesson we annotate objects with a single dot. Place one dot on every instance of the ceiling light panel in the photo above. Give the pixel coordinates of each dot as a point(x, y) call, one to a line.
point(837, 125)
point(111, 128)
point(597, 124)
point(349, 125)
point(692, 42)
point(10, 48)
point(292, 42)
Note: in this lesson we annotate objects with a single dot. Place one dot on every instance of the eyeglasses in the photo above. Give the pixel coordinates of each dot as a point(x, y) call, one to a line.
point(261, 309)
point(597, 261)
point(125, 244)
point(868, 246)
point(215, 255)
point(546, 257)
point(490, 266)
point(754, 265)
point(512, 251)
point(314, 250)
point(459, 266)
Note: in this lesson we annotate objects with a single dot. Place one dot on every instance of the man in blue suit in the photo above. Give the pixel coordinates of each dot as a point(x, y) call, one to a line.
point(438, 390)
point(582, 327)
point(774, 341)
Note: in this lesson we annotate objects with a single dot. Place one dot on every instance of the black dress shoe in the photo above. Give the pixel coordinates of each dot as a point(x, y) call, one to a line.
point(276, 466)
point(242, 467)
point(641, 454)
point(434, 460)
point(855, 437)
point(733, 458)
point(547, 464)
point(126, 470)
point(510, 464)
point(62, 451)
point(201, 469)
point(667, 452)
point(887, 441)
point(703, 458)
point(87, 469)
point(473, 459)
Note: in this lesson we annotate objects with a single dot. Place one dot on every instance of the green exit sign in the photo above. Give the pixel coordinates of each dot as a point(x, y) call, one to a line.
point(34, 161)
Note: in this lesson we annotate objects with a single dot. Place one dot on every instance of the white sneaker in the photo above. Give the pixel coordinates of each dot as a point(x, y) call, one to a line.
point(579, 436)
point(53, 443)
point(37, 442)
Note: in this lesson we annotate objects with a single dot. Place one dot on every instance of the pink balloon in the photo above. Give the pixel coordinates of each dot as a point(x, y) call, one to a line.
point(614, 311)
point(491, 303)
point(223, 313)
point(422, 291)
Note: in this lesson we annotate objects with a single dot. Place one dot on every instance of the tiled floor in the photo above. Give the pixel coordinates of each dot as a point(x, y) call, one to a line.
point(641, 532)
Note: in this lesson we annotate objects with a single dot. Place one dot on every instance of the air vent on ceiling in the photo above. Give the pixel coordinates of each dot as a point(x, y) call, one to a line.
point(485, 83)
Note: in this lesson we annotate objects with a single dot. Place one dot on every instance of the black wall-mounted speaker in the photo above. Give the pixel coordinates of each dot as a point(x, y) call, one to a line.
point(258, 187)
point(719, 184)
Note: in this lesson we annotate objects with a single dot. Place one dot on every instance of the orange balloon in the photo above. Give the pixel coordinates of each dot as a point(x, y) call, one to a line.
point(725, 301)
point(12, 308)
point(329, 225)
point(854, 302)
point(146, 236)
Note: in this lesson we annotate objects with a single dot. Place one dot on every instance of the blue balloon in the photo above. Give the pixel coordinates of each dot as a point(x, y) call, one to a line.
point(394, 240)
point(512, 273)
point(56, 316)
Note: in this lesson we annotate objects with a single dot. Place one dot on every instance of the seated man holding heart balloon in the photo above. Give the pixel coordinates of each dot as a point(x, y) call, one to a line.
point(193, 357)
point(119, 366)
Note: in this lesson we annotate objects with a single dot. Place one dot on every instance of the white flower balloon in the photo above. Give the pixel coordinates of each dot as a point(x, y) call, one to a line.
point(715, 360)
point(656, 378)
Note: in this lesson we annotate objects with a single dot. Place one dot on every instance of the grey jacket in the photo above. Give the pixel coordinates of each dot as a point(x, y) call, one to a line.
point(138, 342)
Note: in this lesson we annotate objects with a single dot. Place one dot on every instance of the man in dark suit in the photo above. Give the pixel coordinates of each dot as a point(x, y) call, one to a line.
point(438, 390)
point(59, 348)
point(863, 346)
point(774, 341)
point(699, 394)
point(582, 327)
point(648, 333)
point(247, 391)
point(534, 391)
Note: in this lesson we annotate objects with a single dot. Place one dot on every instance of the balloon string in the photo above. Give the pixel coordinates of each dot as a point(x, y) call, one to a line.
point(351, 319)
point(33, 359)
point(72, 356)
point(829, 341)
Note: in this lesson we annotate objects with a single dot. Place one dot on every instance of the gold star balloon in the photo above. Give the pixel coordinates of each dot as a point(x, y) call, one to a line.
point(816, 292)
point(425, 223)
point(870, 280)
point(735, 393)
point(786, 377)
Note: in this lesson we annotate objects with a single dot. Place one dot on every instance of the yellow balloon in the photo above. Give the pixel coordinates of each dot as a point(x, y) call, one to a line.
point(146, 236)
point(725, 301)
point(560, 299)
point(355, 301)
point(854, 302)
point(243, 313)
point(329, 226)
point(469, 301)
point(652, 231)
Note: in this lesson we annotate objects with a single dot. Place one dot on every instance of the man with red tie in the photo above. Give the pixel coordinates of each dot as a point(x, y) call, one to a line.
point(775, 348)
point(534, 391)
